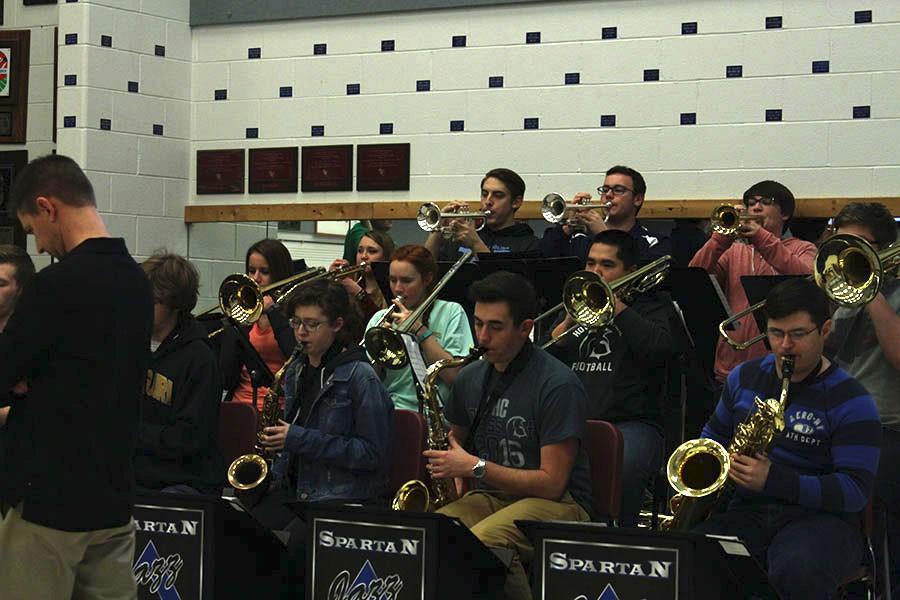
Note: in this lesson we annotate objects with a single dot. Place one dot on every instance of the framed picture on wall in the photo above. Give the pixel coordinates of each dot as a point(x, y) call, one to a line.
point(14, 45)
point(332, 228)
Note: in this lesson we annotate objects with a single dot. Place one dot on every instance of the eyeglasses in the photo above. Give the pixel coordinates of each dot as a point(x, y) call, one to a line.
point(617, 190)
point(756, 200)
point(310, 326)
point(796, 334)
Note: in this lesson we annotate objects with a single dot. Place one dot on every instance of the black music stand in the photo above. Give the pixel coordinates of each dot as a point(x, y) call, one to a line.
point(202, 547)
point(429, 555)
point(757, 288)
point(589, 560)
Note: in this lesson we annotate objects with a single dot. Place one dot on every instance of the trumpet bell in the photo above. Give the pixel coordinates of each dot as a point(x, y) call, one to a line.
point(553, 208)
point(240, 299)
point(247, 472)
point(848, 269)
point(698, 467)
point(429, 217)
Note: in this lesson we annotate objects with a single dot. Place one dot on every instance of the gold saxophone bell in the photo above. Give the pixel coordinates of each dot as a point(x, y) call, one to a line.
point(247, 472)
point(698, 467)
point(412, 496)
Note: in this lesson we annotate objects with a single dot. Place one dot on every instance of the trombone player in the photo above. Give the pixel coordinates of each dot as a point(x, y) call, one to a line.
point(866, 342)
point(797, 508)
point(771, 249)
point(621, 367)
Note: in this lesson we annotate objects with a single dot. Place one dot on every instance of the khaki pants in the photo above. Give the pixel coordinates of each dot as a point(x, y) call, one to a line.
point(38, 562)
point(492, 517)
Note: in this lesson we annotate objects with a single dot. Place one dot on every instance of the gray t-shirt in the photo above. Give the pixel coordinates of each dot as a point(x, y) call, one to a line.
point(859, 353)
point(544, 404)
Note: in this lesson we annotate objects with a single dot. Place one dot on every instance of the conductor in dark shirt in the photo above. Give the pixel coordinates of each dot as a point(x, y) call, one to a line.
point(80, 342)
point(621, 366)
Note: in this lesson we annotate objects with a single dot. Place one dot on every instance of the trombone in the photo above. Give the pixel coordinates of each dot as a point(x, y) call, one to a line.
point(429, 218)
point(555, 209)
point(591, 302)
point(385, 344)
point(847, 268)
point(726, 219)
point(241, 298)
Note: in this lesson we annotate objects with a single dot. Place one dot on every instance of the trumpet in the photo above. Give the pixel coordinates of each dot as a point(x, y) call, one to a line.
point(430, 216)
point(555, 209)
point(726, 219)
point(385, 345)
point(847, 268)
point(591, 302)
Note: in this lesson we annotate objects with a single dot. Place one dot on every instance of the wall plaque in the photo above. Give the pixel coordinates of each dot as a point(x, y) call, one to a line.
point(327, 169)
point(220, 171)
point(273, 170)
point(14, 46)
point(382, 167)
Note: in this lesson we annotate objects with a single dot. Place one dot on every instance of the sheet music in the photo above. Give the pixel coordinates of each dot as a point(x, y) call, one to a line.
point(416, 360)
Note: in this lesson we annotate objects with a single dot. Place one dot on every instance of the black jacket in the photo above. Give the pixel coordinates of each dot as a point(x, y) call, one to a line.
point(622, 366)
point(80, 338)
point(180, 413)
point(518, 237)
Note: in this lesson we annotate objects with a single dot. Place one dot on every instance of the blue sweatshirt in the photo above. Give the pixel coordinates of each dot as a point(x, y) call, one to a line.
point(827, 455)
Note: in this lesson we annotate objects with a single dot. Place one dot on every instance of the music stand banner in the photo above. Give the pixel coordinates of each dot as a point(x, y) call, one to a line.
point(355, 559)
point(168, 552)
point(581, 570)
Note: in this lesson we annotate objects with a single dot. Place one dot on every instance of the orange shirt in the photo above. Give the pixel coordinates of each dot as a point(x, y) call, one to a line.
point(267, 346)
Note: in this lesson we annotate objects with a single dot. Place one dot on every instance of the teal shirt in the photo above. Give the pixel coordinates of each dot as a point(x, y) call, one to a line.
point(450, 326)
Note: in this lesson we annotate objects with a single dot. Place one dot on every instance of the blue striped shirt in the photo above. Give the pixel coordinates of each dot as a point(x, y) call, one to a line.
point(827, 455)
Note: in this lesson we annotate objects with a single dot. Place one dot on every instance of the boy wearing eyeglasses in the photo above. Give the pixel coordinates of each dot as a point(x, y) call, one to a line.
point(623, 190)
point(770, 249)
point(797, 505)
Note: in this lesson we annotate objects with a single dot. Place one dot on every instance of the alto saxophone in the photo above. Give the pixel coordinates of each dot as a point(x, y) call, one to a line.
point(698, 469)
point(416, 495)
point(250, 471)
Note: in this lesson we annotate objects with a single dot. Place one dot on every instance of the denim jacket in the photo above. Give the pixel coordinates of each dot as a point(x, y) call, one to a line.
point(344, 447)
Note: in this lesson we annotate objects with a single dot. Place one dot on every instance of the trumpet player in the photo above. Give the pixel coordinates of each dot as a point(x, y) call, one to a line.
point(866, 342)
point(621, 367)
point(797, 508)
point(770, 250)
point(517, 424)
point(374, 246)
point(502, 194)
point(622, 193)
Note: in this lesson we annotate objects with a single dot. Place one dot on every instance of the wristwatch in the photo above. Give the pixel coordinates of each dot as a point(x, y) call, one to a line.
point(478, 469)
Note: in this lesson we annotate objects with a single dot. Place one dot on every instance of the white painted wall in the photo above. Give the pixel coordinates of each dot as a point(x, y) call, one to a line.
point(817, 150)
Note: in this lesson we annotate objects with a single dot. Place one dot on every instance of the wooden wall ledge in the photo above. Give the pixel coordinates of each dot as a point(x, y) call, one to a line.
point(653, 209)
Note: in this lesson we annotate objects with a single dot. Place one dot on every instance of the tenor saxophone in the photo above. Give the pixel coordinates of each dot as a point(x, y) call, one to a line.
point(698, 469)
point(251, 471)
point(416, 495)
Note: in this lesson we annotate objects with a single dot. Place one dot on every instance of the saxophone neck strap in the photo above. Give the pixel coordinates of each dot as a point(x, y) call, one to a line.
point(493, 386)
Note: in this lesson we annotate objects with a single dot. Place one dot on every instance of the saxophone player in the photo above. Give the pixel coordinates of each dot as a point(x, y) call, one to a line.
point(335, 437)
point(517, 420)
point(797, 509)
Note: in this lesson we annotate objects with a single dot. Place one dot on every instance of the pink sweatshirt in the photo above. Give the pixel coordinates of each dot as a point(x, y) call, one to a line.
point(765, 255)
